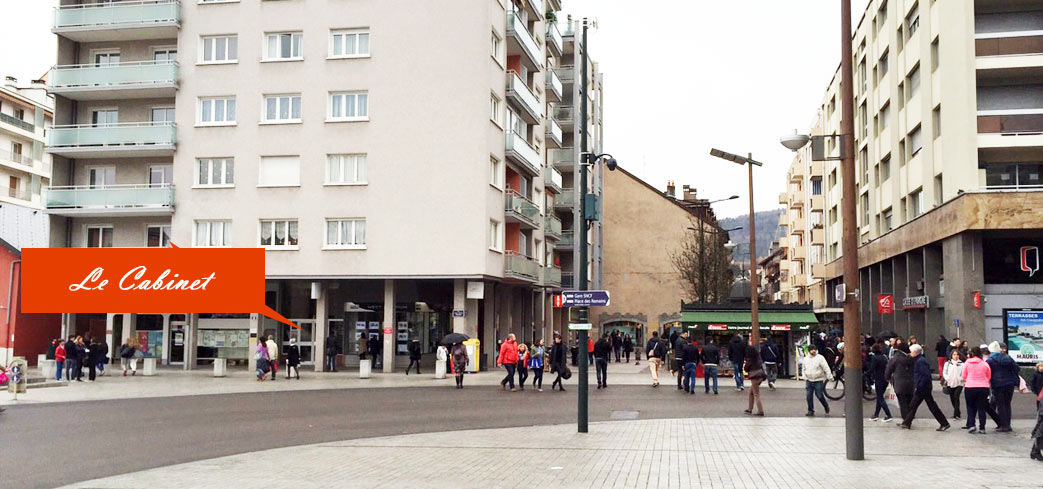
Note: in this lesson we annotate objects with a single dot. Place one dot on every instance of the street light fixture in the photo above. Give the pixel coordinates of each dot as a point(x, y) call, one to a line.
point(748, 160)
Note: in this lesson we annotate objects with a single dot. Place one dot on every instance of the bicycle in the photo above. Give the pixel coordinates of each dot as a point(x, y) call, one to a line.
point(835, 389)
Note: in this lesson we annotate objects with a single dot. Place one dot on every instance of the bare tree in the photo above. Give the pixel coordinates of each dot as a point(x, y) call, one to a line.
point(703, 264)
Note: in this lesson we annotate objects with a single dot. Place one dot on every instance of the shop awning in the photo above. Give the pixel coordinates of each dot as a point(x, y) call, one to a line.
point(740, 320)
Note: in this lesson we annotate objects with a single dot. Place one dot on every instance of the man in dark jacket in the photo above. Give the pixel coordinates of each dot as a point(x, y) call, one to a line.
point(414, 355)
point(899, 373)
point(711, 358)
point(690, 359)
point(602, 354)
point(940, 349)
point(678, 366)
point(922, 391)
point(737, 354)
point(331, 354)
point(1005, 379)
point(771, 356)
point(617, 345)
point(73, 357)
point(375, 349)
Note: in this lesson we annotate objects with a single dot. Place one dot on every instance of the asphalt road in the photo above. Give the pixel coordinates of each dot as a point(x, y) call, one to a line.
point(50, 445)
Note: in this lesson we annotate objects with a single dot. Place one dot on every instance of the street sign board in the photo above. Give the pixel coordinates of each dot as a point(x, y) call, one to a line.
point(584, 298)
point(579, 326)
point(459, 313)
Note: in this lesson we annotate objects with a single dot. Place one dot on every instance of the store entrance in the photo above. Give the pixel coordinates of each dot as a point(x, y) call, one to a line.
point(305, 339)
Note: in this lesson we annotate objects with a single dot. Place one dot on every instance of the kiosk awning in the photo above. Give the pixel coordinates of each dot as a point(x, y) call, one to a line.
point(740, 320)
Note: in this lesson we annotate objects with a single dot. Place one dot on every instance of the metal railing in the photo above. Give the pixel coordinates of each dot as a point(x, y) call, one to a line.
point(129, 73)
point(554, 37)
point(122, 134)
point(525, 152)
point(566, 199)
point(552, 276)
point(553, 179)
point(554, 83)
point(567, 280)
point(109, 196)
point(522, 207)
point(517, 86)
point(14, 121)
point(117, 14)
point(18, 158)
point(552, 227)
point(518, 29)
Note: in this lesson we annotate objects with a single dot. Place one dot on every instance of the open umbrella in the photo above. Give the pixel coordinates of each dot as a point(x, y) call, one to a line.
point(886, 335)
point(454, 338)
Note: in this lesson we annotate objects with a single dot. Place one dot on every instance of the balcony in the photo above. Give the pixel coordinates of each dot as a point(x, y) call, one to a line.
point(519, 94)
point(554, 42)
point(552, 276)
point(818, 236)
point(818, 202)
point(566, 73)
point(817, 169)
point(565, 115)
point(118, 21)
point(797, 200)
point(143, 79)
point(554, 134)
point(127, 140)
point(797, 225)
point(520, 42)
point(554, 88)
point(783, 217)
point(566, 241)
point(568, 280)
point(535, 8)
point(798, 280)
point(796, 173)
point(566, 200)
point(520, 267)
point(552, 228)
point(1008, 43)
point(554, 5)
point(1011, 122)
point(523, 154)
point(796, 253)
point(818, 270)
point(564, 158)
point(520, 210)
point(112, 200)
point(784, 198)
point(15, 122)
point(552, 180)
point(25, 163)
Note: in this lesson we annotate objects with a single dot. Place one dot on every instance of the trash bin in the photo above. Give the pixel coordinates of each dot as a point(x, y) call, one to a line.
point(150, 367)
point(220, 367)
point(49, 369)
point(365, 368)
point(473, 346)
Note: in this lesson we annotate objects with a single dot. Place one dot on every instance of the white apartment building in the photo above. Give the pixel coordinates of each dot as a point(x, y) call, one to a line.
point(397, 171)
point(949, 146)
point(25, 115)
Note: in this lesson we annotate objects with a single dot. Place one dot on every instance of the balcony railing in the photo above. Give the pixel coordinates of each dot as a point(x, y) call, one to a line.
point(567, 199)
point(552, 276)
point(16, 193)
point(567, 280)
point(1028, 121)
point(552, 227)
point(566, 240)
point(522, 96)
point(143, 13)
point(519, 150)
point(110, 197)
point(522, 209)
point(554, 38)
point(521, 266)
point(1008, 43)
point(136, 75)
point(536, 8)
point(554, 88)
point(16, 122)
point(552, 180)
point(566, 73)
point(18, 158)
point(141, 135)
point(564, 115)
point(517, 30)
point(554, 133)
point(563, 157)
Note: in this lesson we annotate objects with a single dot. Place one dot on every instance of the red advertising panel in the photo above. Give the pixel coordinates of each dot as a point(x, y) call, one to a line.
point(885, 304)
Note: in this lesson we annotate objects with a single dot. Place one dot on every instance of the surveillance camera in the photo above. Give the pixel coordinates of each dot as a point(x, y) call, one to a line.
point(611, 164)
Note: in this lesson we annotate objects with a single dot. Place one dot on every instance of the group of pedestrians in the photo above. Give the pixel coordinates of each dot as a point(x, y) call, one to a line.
point(521, 359)
point(266, 356)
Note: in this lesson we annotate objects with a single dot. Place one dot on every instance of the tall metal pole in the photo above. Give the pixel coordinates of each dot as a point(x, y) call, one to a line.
point(852, 328)
point(584, 312)
point(702, 263)
point(755, 335)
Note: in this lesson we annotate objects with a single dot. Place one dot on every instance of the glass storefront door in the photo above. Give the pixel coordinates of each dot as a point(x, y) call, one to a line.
point(305, 339)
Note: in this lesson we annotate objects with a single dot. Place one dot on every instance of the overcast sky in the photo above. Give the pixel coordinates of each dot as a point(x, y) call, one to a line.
point(681, 77)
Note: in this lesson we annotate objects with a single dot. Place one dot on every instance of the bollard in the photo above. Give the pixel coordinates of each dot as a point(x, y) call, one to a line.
point(365, 368)
point(150, 367)
point(220, 367)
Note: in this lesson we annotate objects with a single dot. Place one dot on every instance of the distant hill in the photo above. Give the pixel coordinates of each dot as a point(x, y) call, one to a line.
point(767, 231)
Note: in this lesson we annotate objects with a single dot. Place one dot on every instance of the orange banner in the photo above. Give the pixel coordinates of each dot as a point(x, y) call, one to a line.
point(145, 280)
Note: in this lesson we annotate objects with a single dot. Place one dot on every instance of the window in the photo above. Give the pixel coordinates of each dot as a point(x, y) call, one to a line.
point(912, 21)
point(16, 151)
point(915, 142)
point(279, 234)
point(497, 43)
point(862, 76)
point(157, 236)
point(494, 114)
point(881, 14)
point(164, 55)
point(882, 66)
point(496, 173)
point(885, 116)
point(1021, 175)
point(934, 55)
point(816, 186)
point(279, 171)
point(352, 43)
point(106, 58)
point(217, 111)
point(101, 176)
point(833, 179)
point(938, 190)
point(215, 172)
point(900, 40)
point(916, 202)
point(912, 82)
point(833, 215)
point(162, 114)
point(282, 108)
point(887, 224)
point(901, 95)
point(936, 119)
point(160, 175)
point(885, 168)
point(495, 236)
point(103, 117)
point(99, 236)
point(345, 169)
point(864, 116)
point(213, 233)
point(863, 165)
point(901, 153)
point(349, 106)
point(864, 204)
point(283, 46)
point(346, 233)
point(220, 49)
point(834, 251)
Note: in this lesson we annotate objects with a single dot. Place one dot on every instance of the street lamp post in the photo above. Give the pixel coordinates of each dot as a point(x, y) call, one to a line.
point(755, 335)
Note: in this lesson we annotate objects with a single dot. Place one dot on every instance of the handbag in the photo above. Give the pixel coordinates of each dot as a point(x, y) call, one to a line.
point(566, 374)
point(1022, 387)
point(890, 397)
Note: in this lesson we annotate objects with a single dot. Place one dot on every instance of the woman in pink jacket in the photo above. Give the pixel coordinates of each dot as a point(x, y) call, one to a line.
point(976, 375)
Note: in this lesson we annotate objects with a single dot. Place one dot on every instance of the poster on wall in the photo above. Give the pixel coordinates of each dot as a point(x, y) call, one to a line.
point(403, 326)
point(374, 325)
point(179, 338)
point(1024, 335)
point(360, 325)
point(219, 339)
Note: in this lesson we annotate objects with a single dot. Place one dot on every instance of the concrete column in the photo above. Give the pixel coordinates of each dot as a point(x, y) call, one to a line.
point(901, 290)
point(489, 310)
point(914, 270)
point(460, 304)
point(389, 325)
point(69, 324)
point(166, 340)
point(887, 286)
point(126, 330)
point(321, 328)
point(191, 335)
point(964, 274)
point(934, 316)
point(255, 338)
point(110, 338)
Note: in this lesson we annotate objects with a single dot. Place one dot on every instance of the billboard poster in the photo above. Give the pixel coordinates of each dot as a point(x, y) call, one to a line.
point(1024, 331)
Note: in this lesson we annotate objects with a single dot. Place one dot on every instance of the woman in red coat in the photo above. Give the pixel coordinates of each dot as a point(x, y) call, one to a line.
point(508, 357)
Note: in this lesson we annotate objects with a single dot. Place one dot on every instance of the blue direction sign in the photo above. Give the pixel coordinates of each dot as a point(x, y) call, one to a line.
point(584, 298)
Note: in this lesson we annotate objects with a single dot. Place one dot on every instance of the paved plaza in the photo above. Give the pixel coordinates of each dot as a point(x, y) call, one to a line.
point(666, 453)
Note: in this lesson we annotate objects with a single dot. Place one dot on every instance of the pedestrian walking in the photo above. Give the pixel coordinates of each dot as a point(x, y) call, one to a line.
point(655, 351)
point(755, 366)
point(374, 349)
point(1037, 432)
point(414, 355)
point(689, 363)
point(273, 356)
point(590, 351)
point(617, 345)
point(1005, 379)
point(331, 354)
point(976, 375)
point(523, 365)
point(877, 369)
point(459, 356)
point(602, 355)
point(816, 373)
point(293, 359)
point(922, 391)
point(59, 358)
point(102, 354)
point(952, 381)
point(508, 357)
point(941, 349)
point(129, 356)
point(261, 358)
point(737, 355)
point(677, 367)
point(95, 357)
point(771, 356)
point(899, 374)
point(628, 347)
point(557, 361)
point(536, 364)
point(711, 358)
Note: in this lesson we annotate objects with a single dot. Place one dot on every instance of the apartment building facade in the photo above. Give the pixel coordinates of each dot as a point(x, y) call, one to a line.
point(949, 140)
point(401, 190)
point(25, 169)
